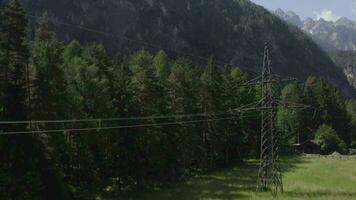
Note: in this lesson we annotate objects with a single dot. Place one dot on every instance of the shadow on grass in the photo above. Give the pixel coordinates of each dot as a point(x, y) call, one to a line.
point(321, 193)
point(225, 184)
point(290, 164)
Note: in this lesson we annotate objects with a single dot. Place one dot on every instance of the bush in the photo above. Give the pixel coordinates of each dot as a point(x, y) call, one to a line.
point(329, 140)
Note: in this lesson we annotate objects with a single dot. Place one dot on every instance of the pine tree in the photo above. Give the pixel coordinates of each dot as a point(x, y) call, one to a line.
point(72, 58)
point(18, 152)
point(14, 68)
point(289, 120)
point(14, 46)
point(351, 109)
point(210, 102)
point(234, 95)
point(181, 89)
point(88, 87)
point(122, 141)
point(148, 101)
point(49, 104)
point(49, 81)
point(161, 64)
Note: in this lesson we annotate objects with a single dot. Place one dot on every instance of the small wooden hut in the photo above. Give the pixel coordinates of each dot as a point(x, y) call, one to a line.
point(308, 147)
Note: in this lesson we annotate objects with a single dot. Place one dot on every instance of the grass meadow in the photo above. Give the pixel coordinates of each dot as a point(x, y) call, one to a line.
point(317, 178)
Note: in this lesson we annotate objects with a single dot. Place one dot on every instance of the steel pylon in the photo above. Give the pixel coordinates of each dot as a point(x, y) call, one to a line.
point(269, 175)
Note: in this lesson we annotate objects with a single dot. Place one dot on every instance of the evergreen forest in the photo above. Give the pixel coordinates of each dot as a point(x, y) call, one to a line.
point(76, 120)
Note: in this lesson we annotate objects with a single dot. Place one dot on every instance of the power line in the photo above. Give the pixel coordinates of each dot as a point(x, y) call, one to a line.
point(219, 113)
point(128, 126)
point(116, 119)
point(115, 127)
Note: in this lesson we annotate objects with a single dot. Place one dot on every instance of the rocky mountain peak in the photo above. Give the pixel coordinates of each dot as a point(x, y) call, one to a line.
point(344, 21)
point(279, 12)
point(289, 17)
point(331, 36)
point(308, 23)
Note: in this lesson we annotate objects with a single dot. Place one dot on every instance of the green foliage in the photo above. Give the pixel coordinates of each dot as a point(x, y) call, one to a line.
point(289, 121)
point(330, 107)
point(85, 82)
point(17, 154)
point(161, 64)
point(351, 110)
point(49, 85)
point(328, 140)
point(13, 42)
point(72, 50)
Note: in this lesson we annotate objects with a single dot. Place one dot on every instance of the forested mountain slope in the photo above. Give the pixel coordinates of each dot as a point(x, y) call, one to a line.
point(234, 31)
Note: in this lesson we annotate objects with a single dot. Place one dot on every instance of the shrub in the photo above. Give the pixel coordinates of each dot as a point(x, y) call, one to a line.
point(329, 140)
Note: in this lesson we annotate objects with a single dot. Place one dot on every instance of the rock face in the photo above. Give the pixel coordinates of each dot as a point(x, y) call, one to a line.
point(331, 36)
point(234, 31)
point(350, 72)
point(346, 60)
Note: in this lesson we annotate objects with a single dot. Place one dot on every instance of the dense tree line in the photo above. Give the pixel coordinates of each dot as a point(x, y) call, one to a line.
point(45, 79)
point(328, 106)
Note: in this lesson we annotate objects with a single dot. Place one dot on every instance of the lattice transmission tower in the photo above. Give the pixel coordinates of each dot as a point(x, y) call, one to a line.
point(269, 175)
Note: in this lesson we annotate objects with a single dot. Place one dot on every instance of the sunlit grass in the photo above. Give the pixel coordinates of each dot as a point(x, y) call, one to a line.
point(304, 178)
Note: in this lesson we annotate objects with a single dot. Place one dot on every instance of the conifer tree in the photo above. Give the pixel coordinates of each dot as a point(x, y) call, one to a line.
point(210, 93)
point(14, 64)
point(19, 153)
point(49, 104)
point(289, 120)
point(49, 91)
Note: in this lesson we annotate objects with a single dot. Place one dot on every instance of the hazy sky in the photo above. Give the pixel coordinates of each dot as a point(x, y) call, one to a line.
point(328, 9)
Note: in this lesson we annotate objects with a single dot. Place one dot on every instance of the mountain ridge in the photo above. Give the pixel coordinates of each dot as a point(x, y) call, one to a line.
point(331, 36)
point(234, 31)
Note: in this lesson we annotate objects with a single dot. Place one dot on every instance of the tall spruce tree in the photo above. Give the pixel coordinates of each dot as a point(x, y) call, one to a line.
point(48, 104)
point(14, 63)
point(18, 152)
point(289, 120)
point(181, 89)
point(351, 109)
point(210, 102)
point(49, 83)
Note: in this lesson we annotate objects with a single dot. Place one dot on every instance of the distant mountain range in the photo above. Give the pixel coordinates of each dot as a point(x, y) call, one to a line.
point(338, 39)
point(331, 36)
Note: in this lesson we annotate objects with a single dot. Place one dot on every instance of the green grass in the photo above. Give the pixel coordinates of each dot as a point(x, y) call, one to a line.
point(304, 178)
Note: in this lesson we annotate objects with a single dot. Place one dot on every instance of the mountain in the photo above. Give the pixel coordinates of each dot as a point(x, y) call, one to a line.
point(331, 36)
point(337, 38)
point(346, 60)
point(234, 31)
point(340, 34)
point(289, 17)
